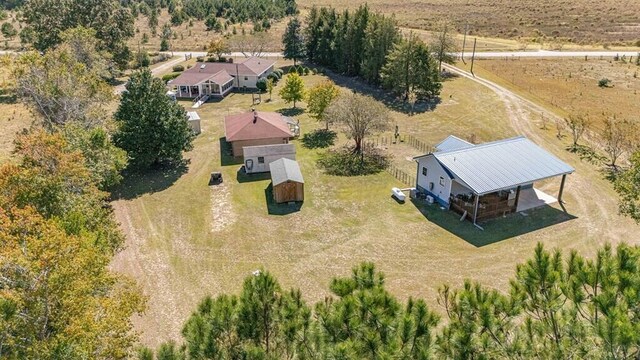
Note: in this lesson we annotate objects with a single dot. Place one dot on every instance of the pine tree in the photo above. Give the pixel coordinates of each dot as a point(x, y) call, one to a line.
point(411, 67)
point(293, 41)
point(151, 128)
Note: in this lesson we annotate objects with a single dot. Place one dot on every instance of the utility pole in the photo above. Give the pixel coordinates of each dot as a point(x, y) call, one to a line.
point(473, 57)
point(464, 41)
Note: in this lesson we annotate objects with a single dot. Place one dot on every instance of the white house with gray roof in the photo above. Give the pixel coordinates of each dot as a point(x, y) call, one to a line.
point(488, 180)
point(220, 78)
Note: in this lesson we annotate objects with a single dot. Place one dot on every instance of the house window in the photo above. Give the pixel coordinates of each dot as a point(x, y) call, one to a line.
point(441, 181)
point(260, 159)
point(246, 78)
point(424, 171)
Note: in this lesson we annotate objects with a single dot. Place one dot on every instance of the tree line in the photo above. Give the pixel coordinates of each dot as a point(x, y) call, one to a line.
point(240, 10)
point(556, 307)
point(370, 46)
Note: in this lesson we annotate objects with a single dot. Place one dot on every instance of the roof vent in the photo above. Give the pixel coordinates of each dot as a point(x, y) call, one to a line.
point(203, 66)
point(255, 115)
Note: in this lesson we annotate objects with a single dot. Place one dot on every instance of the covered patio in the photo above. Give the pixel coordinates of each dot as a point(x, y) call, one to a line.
point(194, 85)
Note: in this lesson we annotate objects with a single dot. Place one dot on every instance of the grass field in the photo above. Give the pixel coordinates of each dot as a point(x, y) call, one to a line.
point(570, 86)
point(187, 239)
point(583, 21)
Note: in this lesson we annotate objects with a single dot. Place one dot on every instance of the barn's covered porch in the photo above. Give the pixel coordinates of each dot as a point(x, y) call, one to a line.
point(478, 207)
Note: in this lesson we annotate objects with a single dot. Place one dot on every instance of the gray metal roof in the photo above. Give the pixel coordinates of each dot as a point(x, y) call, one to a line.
point(501, 165)
point(453, 143)
point(269, 150)
point(283, 170)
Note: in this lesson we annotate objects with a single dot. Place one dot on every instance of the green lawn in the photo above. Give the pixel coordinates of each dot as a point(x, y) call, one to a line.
point(187, 239)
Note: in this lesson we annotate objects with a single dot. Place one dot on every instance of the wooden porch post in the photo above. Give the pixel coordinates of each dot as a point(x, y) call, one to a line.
point(564, 177)
point(475, 209)
point(517, 197)
point(189, 90)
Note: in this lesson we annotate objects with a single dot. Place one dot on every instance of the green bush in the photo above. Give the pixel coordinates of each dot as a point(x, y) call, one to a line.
point(200, 59)
point(262, 85)
point(212, 59)
point(168, 77)
point(178, 68)
point(273, 78)
point(293, 69)
point(604, 83)
point(343, 162)
point(306, 70)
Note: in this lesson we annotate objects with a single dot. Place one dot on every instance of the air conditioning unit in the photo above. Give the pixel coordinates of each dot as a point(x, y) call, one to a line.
point(429, 199)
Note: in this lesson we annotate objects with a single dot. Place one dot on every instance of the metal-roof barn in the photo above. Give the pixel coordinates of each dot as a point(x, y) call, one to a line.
point(487, 180)
point(287, 181)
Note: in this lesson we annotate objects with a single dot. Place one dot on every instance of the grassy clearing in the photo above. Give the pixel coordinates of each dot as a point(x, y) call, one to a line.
point(569, 86)
point(186, 239)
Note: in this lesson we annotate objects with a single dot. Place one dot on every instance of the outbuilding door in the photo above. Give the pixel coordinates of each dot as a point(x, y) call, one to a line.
point(289, 191)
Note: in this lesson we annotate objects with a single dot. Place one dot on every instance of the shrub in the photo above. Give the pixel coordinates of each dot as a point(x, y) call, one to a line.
point(604, 83)
point(343, 162)
point(178, 68)
point(200, 59)
point(273, 78)
point(262, 85)
point(306, 70)
point(300, 70)
point(222, 59)
point(164, 45)
point(168, 77)
point(212, 59)
point(293, 69)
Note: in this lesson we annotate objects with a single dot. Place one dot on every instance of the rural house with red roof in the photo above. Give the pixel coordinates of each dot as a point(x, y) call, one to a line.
point(257, 128)
point(219, 78)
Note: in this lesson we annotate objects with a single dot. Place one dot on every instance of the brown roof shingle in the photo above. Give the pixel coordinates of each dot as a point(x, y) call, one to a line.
point(255, 125)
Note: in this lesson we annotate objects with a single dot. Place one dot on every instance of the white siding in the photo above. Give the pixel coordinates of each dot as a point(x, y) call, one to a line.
point(251, 80)
point(268, 159)
point(434, 172)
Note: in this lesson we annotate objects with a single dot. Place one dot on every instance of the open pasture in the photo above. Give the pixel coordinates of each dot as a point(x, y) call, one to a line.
point(186, 239)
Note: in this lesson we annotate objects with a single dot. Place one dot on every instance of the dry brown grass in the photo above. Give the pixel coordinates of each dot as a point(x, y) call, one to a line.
point(583, 21)
point(570, 86)
point(193, 35)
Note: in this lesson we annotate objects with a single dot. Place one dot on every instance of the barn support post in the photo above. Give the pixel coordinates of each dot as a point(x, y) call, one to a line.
point(564, 178)
point(517, 197)
point(475, 209)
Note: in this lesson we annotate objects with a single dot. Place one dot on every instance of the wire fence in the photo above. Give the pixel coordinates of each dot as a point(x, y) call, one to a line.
point(401, 175)
point(387, 141)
